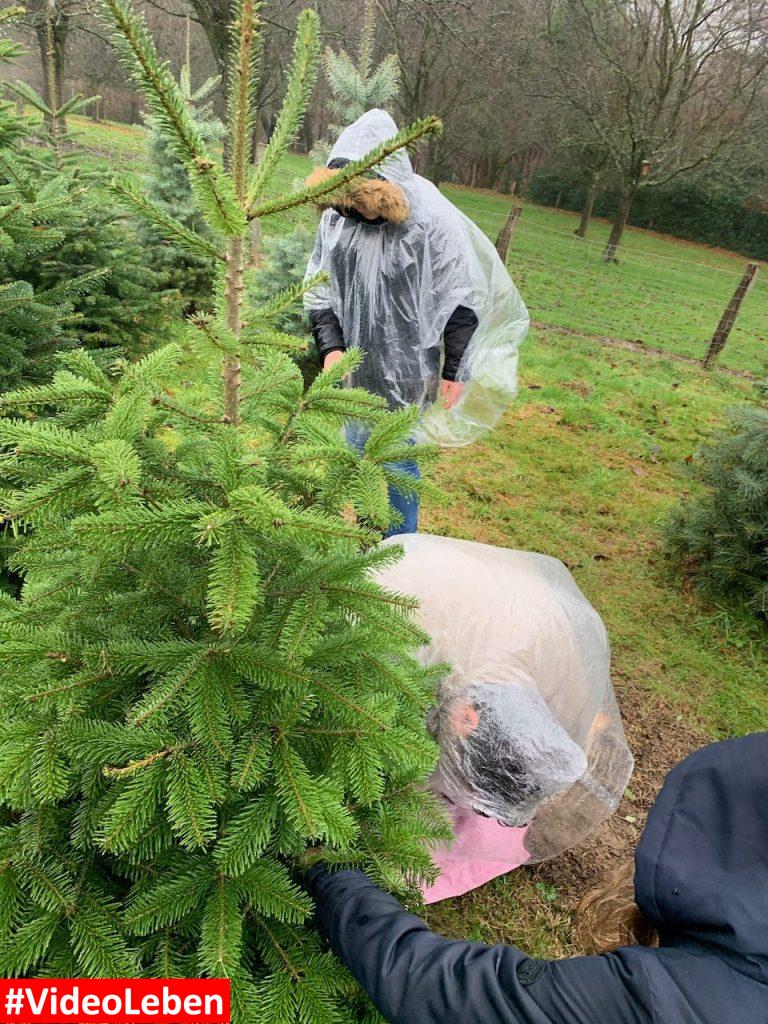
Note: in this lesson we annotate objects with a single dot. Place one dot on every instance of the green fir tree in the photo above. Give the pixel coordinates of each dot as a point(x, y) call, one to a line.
point(65, 242)
point(356, 84)
point(204, 687)
point(34, 220)
point(35, 321)
point(720, 536)
point(126, 307)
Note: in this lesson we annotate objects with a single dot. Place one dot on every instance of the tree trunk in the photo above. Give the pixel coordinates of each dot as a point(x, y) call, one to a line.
point(230, 365)
point(60, 30)
point(586, 213)
point(215, 19)
point(434, 167)
point(619, 223)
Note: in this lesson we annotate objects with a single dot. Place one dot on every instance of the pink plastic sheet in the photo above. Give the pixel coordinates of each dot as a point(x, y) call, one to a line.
point(472, 859)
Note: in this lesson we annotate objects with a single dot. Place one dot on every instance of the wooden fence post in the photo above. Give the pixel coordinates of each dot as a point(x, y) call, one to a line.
point(728, 319)
point(507, 232)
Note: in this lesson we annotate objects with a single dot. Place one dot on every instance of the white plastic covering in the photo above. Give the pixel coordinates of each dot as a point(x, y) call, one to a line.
point(393, 288)
point(527, 721)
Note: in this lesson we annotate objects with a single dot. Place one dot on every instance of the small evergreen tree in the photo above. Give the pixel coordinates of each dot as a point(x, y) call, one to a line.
point(33, 222)
point(721, 536)
point(190, 274)
point(126, 306)
point(355, 84)
point(68, 246)
point(34, 322)
point(202, 681)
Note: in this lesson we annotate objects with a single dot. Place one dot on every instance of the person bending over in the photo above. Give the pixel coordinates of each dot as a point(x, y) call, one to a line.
point(700, 902)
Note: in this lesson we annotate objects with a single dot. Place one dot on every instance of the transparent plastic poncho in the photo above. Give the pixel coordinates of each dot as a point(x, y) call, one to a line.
point(394, 287)
point(527, 722)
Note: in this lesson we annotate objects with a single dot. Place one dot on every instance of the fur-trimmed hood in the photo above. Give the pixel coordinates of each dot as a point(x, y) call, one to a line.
point(372, 198)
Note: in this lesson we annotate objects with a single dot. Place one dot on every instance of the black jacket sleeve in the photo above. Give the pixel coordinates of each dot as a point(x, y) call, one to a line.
point(326, 330)
point(462, 324)
point(416, 977)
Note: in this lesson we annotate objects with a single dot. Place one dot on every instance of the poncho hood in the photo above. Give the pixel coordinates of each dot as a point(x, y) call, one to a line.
point(369, 131)
point(702, 862)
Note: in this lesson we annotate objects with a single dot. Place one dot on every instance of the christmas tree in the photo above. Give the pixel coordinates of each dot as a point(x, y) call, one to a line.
point(72, 268)
point(355, 84)
point(34, 219)
point(204, 687)
point(126, 306)
point(167, 185)
point(34, 322)
point(721, 535)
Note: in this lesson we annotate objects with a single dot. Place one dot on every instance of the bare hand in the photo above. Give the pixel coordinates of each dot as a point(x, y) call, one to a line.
point(450, 392)
point(332, 358)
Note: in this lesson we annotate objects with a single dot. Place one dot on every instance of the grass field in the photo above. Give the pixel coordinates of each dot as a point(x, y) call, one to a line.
point(663, 292)
point(586, 467)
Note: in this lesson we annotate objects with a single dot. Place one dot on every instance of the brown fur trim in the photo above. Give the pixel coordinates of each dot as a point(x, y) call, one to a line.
point(318, 175)
point(371, 197)
point(376, 198)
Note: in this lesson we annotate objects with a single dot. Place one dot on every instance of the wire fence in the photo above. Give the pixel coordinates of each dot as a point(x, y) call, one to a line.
point(651, 297)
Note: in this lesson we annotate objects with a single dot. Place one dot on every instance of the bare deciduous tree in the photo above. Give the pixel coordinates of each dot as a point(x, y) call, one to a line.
point(659, 86)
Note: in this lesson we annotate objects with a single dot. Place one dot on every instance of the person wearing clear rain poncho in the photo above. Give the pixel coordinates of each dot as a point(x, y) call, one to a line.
point(421, 291)
point(532, 750)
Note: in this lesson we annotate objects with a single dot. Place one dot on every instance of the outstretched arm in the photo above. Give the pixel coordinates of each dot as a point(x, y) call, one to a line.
point(416, 977)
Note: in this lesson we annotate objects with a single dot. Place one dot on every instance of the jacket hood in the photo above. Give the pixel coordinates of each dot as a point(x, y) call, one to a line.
point(701, 867)
point(367, 132)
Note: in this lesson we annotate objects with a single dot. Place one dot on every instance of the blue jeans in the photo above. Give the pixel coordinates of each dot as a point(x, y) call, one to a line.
point(406, 504)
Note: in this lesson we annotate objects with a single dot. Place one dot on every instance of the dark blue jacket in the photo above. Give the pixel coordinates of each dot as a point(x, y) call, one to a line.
point(701, 878)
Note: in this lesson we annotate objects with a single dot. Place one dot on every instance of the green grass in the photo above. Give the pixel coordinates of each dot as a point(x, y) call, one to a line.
point(663, 292)
point(587, 465)
point(122, 146)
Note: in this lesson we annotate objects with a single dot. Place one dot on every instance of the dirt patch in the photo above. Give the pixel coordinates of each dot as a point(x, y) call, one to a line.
point(580, 387)
point(659, 736)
